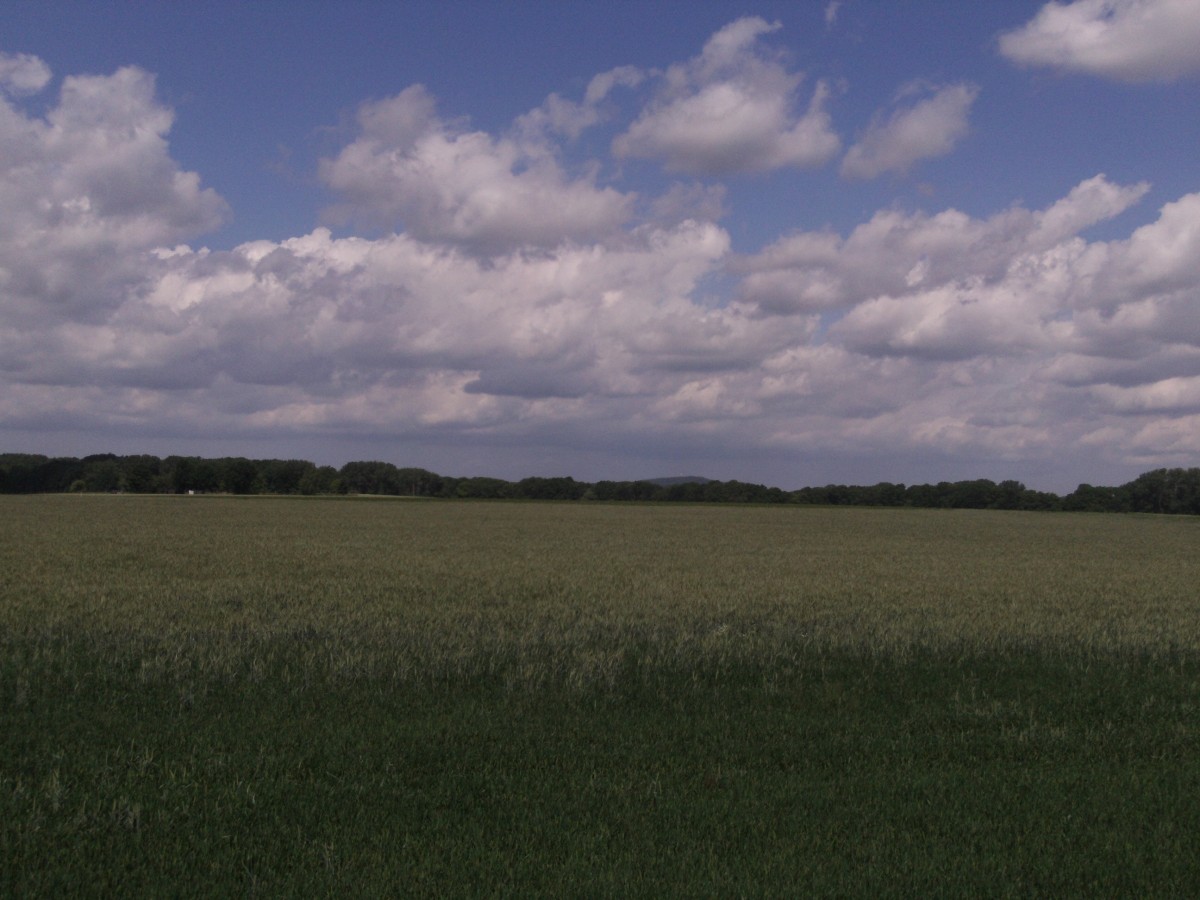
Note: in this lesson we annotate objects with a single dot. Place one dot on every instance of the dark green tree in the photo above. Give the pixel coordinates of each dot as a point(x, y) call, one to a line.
point(370, 477)
point(283, 476)
point(319, 480)
point(238, 475)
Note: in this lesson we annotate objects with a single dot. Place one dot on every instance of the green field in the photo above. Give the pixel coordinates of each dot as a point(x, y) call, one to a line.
point(308, 697)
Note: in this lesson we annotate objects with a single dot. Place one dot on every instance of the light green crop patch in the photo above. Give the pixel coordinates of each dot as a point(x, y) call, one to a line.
point(566, 592)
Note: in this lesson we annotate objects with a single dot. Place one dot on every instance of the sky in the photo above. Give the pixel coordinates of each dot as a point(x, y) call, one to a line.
point(795, 243)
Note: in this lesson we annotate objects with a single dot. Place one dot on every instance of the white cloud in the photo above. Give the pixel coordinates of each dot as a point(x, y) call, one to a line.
point(893, 253)
point(1090, 202)
point(602, 85)
point(1162, 257)
point(409, 169)
point(1168, 395)
point(1125, 40)
point(732, 109)
point(1176, 439)
point(958, 321)
point(560, 116)
point(22, 74)
point(85, 191)
point(1008, 336)
point(923, 130)
point(328, 319)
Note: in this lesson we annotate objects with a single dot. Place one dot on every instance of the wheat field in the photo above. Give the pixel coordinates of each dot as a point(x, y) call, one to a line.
point(279, 696)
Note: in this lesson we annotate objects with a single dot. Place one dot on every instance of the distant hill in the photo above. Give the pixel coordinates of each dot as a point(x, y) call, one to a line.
point(679, 479)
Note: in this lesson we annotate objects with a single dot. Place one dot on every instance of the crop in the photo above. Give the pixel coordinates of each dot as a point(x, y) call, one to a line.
point(396, 696)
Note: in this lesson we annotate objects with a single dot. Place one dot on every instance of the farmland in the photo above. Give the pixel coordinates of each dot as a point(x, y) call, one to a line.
point(298, 696)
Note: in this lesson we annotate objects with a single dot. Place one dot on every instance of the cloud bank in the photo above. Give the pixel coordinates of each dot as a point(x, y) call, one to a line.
point(496, 294)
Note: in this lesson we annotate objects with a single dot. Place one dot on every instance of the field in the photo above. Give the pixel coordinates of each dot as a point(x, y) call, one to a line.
point(303, 697)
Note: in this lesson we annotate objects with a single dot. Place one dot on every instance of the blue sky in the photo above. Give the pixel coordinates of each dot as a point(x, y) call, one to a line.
point(795, 243)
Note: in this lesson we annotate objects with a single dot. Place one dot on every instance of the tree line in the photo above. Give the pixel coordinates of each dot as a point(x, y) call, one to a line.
point(1158, 491)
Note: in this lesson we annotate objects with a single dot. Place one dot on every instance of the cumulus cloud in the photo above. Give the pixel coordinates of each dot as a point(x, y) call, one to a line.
point(321, 332)
point(1014, 331)
point(85, 191)
point(925, 129)
point(559, 116)
point(895, 253)
point(1168, 395)
point(602, 85)
point(732, 109)
point(410, 170)
point(1125, 40)
point(311, 332)
point(22, 74)
point(1162, 258)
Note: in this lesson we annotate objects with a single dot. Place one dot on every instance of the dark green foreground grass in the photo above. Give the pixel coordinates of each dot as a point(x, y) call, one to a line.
point(1019, 775)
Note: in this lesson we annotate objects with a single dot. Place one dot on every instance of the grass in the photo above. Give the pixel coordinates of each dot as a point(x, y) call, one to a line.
point(309, 697)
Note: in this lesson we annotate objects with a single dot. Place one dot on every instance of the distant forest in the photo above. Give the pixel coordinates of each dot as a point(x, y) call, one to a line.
point(1159, 491)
